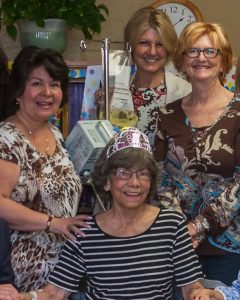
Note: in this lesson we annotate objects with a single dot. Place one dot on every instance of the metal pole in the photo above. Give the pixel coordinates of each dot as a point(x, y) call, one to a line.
point(106, 76)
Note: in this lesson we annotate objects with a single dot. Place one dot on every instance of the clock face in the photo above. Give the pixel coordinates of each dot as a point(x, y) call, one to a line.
point(179, 14)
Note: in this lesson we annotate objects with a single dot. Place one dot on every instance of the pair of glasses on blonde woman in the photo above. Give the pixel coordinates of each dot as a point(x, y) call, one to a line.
point(125, 174)
point(208, 52)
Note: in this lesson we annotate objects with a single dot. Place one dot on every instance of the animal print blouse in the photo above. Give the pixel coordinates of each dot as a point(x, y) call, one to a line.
point(47, 184)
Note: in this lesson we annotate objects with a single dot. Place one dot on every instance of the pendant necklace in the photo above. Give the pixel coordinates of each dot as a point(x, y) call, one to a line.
point(30, 134)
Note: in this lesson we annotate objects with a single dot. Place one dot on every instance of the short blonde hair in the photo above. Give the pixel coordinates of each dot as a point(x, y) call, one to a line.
point(217, 35)
point(149, 18)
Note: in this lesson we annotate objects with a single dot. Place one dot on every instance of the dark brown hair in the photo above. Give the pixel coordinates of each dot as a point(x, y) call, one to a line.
point(4, 74)
point(27, 60)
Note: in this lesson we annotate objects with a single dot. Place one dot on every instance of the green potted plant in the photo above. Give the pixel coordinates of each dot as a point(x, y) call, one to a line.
point(80, 14)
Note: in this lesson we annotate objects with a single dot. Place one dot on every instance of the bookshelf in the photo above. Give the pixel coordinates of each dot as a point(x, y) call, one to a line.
point(69, 114)
point(72, 109)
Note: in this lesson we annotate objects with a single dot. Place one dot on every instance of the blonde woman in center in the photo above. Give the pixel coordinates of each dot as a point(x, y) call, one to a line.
point(152, 38)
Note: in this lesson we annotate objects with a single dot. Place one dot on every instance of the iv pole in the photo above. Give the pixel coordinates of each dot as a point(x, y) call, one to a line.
point(105, 47)
point(106, 44)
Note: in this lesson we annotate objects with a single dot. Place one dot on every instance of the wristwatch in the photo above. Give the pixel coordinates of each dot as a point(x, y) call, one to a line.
point(201, 224)
point(205, 223)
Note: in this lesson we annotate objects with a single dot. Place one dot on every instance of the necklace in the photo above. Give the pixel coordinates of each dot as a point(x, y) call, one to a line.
point(30, 133)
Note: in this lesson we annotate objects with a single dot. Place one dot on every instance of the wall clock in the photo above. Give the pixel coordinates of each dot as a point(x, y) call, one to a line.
point(180, 12)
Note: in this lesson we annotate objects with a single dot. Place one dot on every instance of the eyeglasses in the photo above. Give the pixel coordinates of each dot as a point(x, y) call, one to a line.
point(208, 52)
point(125, 174)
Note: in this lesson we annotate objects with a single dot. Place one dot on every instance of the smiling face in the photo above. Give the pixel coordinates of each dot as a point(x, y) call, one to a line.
point(131, 193)
point(149, 54)
point(201, 68)
point(42, 95)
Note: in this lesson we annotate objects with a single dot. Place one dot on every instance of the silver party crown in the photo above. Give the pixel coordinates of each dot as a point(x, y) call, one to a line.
point(130, 137)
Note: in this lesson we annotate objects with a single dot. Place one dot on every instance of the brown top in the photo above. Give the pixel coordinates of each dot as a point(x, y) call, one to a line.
point(201, 171)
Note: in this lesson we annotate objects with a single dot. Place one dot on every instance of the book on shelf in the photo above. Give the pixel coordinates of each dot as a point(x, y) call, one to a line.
point(72, 109)
point(75, 103)
point(67, 116)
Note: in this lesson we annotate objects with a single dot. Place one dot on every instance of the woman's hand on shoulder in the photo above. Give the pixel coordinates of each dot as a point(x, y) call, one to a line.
point(8, 292)
point(70, 226)
point(205, 294)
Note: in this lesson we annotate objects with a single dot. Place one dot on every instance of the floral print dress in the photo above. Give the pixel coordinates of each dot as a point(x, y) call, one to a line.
point(146, 103)
point(201, 171)
point(47, 184)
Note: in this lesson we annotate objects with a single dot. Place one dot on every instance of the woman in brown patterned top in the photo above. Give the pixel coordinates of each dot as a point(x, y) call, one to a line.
point(39, 190)
point(198, 142)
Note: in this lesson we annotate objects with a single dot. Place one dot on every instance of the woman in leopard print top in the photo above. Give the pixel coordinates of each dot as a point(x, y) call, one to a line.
point(39, 190)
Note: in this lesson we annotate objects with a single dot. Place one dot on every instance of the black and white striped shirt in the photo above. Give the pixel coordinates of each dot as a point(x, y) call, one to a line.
point(137, 267)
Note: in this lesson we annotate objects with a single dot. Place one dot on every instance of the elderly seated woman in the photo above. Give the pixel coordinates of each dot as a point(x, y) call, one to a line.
point(133, 250)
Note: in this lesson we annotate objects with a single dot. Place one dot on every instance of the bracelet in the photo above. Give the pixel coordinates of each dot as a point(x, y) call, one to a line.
point(33, 295)
point(204, 223)
point(50, 218)
point(201, 224)
point(198, 225)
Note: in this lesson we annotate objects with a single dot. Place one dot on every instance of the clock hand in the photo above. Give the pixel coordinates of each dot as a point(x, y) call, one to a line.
point(178, 21)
